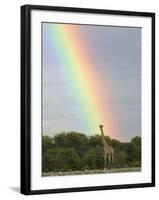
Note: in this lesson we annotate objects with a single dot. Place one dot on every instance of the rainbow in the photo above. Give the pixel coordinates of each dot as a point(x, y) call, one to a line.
point(70, 47)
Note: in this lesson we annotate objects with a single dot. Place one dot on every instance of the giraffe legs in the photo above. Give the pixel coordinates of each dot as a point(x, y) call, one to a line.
point(112, 158)
point(108, 160)
point(105, 161)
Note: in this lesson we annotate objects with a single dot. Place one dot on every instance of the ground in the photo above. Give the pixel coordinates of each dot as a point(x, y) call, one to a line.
point(97, 171)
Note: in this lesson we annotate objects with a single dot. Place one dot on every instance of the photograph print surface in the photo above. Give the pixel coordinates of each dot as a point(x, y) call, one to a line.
point(91, 99)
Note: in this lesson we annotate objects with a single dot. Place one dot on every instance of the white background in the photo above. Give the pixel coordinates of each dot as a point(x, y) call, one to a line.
point(10, 100)
point(38, 182)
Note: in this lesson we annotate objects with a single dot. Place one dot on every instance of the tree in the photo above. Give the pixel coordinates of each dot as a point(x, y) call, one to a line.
point(114, 143)
point(89, 159)
point(94, 141)
point(99, 157)
point(67, 159)
point(49, 160)
point(136, 151)
point(120, 159)
point(60, 140)
point(70, 151)
point(46, 143)
point(77, 141)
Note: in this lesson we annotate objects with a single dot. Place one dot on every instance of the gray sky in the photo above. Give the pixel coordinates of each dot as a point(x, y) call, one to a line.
point(116, 54)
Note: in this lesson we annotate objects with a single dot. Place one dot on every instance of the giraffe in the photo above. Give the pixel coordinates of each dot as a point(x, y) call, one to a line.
point(108, 150)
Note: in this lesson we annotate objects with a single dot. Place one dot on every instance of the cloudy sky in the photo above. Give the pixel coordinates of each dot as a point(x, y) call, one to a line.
point(112, 55)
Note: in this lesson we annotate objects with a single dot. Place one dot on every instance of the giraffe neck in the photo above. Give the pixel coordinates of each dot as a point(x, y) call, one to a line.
point(103, 137)
point(107, 147)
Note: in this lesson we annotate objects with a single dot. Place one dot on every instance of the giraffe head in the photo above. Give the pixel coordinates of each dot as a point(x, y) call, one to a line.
point(101, 127)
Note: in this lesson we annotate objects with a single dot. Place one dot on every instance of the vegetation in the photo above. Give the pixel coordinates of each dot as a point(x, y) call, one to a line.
point(72, 151)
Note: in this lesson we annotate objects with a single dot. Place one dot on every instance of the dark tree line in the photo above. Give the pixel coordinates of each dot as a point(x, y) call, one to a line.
point(76, 151)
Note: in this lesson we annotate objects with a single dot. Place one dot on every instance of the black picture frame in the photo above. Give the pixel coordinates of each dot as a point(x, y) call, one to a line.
point(26, 98)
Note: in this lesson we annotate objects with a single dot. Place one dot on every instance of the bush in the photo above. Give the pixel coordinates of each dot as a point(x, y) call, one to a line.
point(89, 159)
point(120, 159)
point(67, 159)
point(75, 151)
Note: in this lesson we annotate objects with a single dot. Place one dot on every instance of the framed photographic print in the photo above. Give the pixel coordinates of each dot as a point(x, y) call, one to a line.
point(87, 99)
